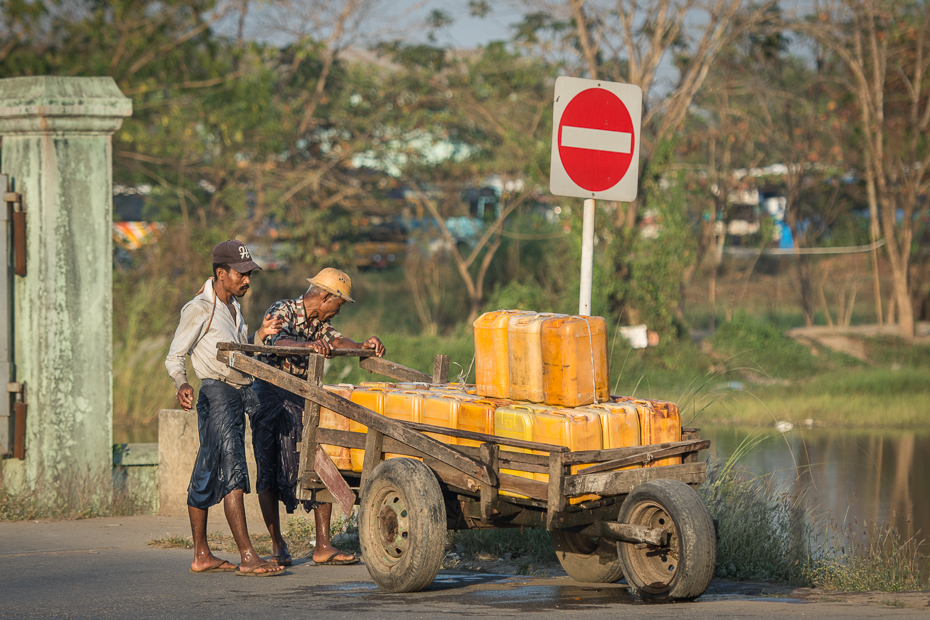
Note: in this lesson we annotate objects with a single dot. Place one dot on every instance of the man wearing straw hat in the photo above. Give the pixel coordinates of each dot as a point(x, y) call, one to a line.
point(277, 425)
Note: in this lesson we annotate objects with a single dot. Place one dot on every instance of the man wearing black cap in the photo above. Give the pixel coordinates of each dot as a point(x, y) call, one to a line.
point(220, 472)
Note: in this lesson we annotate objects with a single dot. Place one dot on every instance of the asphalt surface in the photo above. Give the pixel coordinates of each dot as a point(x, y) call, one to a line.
point(103, 568)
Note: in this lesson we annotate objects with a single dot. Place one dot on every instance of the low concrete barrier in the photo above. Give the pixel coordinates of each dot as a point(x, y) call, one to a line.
point(178, 443)
point(135, 467)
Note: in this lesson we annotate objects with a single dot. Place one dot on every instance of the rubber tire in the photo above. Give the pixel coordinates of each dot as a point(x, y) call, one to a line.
point(587, 559)
point(653, 504)
point(402, 525)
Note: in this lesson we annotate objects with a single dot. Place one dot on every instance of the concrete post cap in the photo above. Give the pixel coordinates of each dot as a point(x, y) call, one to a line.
point(49, 104)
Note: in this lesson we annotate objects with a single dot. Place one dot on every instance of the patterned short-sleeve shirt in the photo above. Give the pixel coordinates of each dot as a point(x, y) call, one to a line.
point(296, 326)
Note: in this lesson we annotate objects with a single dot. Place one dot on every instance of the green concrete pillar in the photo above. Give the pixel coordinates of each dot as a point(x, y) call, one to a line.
point(57, 151)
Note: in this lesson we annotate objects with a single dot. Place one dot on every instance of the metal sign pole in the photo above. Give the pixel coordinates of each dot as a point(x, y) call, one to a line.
point(587, 258)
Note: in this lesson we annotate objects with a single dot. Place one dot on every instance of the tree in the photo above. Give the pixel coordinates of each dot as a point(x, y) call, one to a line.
point(458, 120)
point(885, 47)
point(765, 105)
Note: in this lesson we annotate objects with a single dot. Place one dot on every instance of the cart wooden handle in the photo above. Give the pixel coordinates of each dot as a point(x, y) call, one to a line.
point(257, 348)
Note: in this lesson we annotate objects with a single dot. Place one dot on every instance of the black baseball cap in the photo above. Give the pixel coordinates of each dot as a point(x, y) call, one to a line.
point(236, 255)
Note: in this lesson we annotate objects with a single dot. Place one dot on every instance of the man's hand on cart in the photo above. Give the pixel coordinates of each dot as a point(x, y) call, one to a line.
point(321, 347)
point(374, 343)
point(186, 396)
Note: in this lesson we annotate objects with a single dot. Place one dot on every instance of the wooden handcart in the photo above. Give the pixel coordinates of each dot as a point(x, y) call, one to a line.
point(648, 523)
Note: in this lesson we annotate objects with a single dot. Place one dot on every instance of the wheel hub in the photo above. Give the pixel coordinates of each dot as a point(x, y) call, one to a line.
point(393, 525)
point(658, 565)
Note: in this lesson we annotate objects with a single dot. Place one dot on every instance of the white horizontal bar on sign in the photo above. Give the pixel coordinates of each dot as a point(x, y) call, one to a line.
point(597, 139)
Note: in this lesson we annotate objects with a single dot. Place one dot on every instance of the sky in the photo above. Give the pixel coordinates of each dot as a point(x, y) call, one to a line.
point(402, 19)
point(469, 31)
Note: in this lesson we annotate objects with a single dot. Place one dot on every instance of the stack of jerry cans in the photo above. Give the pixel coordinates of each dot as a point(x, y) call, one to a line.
point(370, 398)
point(330, 419)
point(619, 425)
point(517, 421)
point(492, 360)
point(660, 422)
point(475, 415)
point(574, 361)
point(441, 408)
point(524, 345)
point(405, 405)
point(572, 428)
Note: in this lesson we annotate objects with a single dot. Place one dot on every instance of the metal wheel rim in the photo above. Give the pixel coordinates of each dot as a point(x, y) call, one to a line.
point(391, 521)
point(655, 567)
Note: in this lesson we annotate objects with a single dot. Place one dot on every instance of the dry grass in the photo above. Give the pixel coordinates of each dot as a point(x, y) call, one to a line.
point(76, 496)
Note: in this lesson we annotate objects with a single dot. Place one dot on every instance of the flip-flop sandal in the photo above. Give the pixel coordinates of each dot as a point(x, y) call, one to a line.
point(252, 573)
point(222, 567)
point(331, 562)
point(281, 560)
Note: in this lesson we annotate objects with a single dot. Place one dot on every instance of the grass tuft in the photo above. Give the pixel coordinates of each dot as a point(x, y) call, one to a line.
point(769, 533)
point(75, 496)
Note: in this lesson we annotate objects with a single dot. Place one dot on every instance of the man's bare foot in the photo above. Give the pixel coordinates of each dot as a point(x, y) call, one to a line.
point(280, 554)
point(211, 563)
point(331, 555)
point(261, 569)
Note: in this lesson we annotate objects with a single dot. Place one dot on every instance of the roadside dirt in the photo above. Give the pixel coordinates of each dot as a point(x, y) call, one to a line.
point(841, 339)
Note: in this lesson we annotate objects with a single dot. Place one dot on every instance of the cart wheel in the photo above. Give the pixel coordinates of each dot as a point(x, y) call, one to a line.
point(402, 525)
point(587, 558)
point(683, 569)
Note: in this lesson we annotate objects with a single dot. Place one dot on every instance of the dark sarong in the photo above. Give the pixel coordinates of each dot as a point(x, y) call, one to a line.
point(220, 467)
point(277, 428)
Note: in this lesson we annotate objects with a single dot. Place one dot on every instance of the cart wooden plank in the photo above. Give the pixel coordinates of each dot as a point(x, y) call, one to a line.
point(441, 369)
point(524, 486)
point(533, 463)
point(374, 454)
point(583, 457)
point(393, 370)
point(645, 457)
point(556, 488)
point(357, 413)
point(307, 474)
point(258, 348)
point(622, 482)
point(489, 454)
point(334, 480)
point(504, 441)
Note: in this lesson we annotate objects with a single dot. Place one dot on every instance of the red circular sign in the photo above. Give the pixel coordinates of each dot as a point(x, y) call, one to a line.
point(582, 151)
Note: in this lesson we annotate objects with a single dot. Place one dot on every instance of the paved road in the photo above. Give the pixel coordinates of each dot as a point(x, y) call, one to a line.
point(102, 568)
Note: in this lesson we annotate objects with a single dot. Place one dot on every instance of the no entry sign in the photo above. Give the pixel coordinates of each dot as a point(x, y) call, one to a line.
point(595, 139)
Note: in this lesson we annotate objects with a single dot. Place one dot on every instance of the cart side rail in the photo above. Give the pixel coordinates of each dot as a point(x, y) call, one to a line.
point(386, 426)
point(367, 360)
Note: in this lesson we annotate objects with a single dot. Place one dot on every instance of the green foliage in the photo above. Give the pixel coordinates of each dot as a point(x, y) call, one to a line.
point(645, 286)
point(518, 294)
point(896, 352)
point(762, 528)
point(749, 342)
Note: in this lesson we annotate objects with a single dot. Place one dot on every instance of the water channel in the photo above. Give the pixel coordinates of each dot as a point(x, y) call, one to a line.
point(876, 476)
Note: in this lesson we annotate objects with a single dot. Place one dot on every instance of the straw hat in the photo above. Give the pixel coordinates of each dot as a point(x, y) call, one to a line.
point(334, 282)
